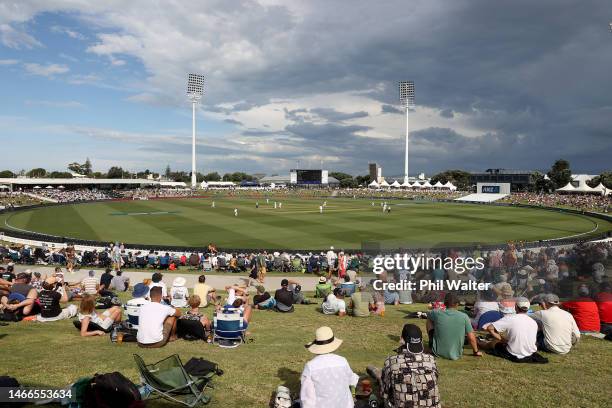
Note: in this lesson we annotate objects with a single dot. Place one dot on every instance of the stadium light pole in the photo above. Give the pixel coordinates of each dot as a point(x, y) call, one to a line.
point(406, 96)
point(195, 90)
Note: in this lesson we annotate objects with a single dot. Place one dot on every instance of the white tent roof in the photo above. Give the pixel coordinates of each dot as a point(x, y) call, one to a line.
point(427, 185)
point(396, 184)
point(450, 185)
point(417, 185)
point(384, 183)
point(373, 184)
point(584, 188)
point(600, 187)
point(567, 187)
point(406, 183)
point(3, 186)
point(49, 187)
point(438, 184)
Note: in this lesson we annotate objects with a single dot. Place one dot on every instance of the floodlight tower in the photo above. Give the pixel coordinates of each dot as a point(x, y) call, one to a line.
point(406, 96)
point(195, 90)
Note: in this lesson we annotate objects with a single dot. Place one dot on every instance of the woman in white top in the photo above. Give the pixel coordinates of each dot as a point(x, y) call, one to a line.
point(178, 292)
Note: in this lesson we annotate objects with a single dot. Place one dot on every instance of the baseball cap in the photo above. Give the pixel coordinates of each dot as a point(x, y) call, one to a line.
point(551, 298)
point(523, 303)
point(413, 338)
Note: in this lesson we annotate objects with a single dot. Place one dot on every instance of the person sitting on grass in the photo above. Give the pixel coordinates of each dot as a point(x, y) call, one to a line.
point(105, 282)
point(487, 301)
point(236, 292)
point(178, 292)
point(284, 298)
point(391, 297)
point(518, 343)
point(585, 311)
point(558, 331)
point(50, 299)
point(262, 300)
point(448, 329)
point(206, 292)
point(296, 289)
point(120, 282)
point(87, 314)
point(156, 281)
point(409, 378)
point(327, 379)
point(362, 302)
point(194, 313)
point(21, 299)
point(156, 321)
point(323, 288)
point(90, 284)
point(604, 305)
point(347, 286)
point(334, 304)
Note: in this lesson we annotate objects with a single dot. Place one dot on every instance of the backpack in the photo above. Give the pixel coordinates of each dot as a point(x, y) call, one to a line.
point(112, 390)
point(11, 315)
point(198, 367)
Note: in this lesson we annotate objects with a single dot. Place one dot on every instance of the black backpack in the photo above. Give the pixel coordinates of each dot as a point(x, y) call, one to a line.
point(112, 390)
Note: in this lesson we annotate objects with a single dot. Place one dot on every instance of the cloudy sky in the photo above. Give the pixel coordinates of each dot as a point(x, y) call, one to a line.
point(513, 84)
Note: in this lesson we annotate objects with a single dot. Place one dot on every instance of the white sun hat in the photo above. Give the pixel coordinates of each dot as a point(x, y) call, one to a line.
point(324, 341)
point(179, 281)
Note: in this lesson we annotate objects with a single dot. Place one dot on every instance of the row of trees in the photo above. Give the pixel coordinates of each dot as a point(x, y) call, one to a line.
point(558, 176)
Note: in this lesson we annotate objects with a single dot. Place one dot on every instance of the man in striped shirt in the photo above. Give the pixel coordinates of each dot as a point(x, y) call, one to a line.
point(90, 284)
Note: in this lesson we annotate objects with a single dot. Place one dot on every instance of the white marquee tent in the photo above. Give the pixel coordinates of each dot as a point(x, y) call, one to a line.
point(395, 184)
point(384, 183)
point(450, 186)
point(373, 184)
point(567, 187)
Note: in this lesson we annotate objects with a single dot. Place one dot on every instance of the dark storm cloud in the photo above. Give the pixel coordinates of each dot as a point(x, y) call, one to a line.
point(390, 109)
point(233, 121)
point(447, 113)
point(530, 74)
point(335, 116)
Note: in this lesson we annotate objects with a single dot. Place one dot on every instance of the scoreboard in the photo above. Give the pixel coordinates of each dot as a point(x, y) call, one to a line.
point(305, 176)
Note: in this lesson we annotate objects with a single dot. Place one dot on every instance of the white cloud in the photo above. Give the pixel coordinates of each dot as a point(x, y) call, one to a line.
point(48, 70)
point(16, 38)
point(55, 104)
point(68, 31)
point(8, 61)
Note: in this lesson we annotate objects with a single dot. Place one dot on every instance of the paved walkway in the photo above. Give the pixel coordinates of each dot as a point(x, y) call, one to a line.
point(217, 281)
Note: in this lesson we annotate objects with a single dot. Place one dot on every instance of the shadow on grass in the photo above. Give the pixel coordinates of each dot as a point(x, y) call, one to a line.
point(290, 378)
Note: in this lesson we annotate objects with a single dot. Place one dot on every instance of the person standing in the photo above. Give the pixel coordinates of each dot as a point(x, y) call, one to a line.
point(327, 379)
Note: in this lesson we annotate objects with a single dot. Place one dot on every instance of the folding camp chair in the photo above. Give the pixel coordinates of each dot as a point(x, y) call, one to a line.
point(229, 328)
point(132, 312)
point(171, 381)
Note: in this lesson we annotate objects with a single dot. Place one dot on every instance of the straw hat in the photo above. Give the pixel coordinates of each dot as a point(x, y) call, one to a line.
point(324, 341)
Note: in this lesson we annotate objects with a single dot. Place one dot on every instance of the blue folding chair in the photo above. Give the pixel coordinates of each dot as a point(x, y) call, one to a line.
point(229, 328)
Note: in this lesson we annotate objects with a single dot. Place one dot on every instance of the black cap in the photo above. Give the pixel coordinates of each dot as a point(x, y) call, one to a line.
point(284, 282)
point(413, 338)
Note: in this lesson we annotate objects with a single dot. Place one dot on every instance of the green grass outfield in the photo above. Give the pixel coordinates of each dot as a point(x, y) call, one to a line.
point(53, 354)
point(345, 223)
